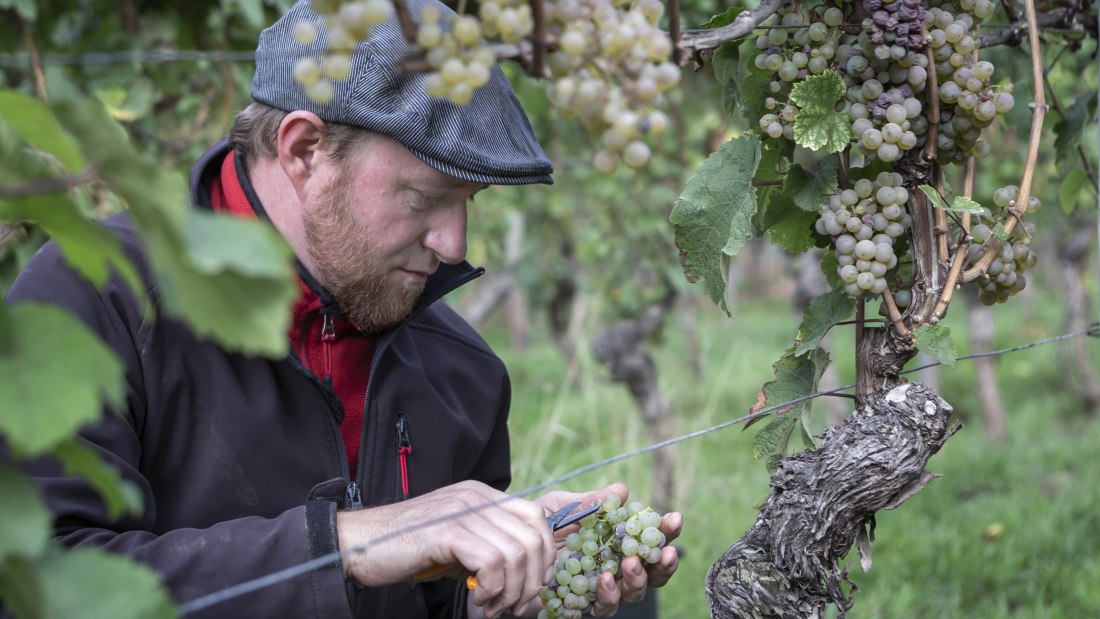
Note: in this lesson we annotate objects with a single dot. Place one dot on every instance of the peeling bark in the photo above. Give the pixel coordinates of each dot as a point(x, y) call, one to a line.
point(787, 566)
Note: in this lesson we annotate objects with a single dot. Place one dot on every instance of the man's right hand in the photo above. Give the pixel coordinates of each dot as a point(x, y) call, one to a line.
point(502, 540)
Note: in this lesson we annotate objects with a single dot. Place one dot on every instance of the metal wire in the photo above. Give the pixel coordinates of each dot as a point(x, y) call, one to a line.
point(286, 574)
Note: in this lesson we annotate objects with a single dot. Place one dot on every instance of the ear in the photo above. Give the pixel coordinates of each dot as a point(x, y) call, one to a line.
point(300, 147)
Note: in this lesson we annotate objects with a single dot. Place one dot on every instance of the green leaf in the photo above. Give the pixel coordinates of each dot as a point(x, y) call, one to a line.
point(795, 377)
point(219, 243)
point(963, 204)
point(712, 218)
point(19, 587)
point(120, 496)
point(88, 247)
point(239, 300)
point(753, 87)
point(831, 131)
point(829, 265)
point(33, 121)
point(818, 94)
point(723, 19)
point(793, 232)
point(824, 312)
point(999, 231)
point(94, 584)
point(1069, 194)
point(810, 189)
point(818, 125)
point(933, 196)
point(43, 347)
point(1072, 125)
point(27, 9)
point(935, 341)
point(28, 523)
point(725, 62)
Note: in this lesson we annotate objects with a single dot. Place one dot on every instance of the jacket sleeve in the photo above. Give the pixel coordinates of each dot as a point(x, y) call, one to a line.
point(192, 562)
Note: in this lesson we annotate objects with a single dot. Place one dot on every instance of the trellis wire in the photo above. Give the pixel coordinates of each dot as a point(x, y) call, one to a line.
point(297, 570)
point(24, 59)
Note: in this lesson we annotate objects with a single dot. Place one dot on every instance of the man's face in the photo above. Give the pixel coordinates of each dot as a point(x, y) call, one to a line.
point(385, 222)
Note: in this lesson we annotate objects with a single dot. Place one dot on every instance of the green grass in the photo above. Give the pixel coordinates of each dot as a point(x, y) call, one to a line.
point(936, 556)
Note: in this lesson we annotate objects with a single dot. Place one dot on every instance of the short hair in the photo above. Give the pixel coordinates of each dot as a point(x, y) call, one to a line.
point(256, 129)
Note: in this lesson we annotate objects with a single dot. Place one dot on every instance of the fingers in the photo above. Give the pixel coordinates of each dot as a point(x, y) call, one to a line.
point(503, 540)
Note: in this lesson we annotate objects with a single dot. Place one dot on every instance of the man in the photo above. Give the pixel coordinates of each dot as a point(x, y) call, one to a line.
point(383, 433)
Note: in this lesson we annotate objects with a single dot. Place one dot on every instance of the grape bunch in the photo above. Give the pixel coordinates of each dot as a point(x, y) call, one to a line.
point(610, 71)
point(1004, 276)
point(969, 100)
point(456, 52)
point(345, 24)
point(864, 223)
point(604, 539)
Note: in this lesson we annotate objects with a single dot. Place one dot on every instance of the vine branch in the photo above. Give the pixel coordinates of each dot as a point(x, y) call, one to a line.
point(1039, 110)
point(46, 185)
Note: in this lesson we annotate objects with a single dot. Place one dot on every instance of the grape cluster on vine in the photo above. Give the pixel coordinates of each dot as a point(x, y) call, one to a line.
point(864, 223)
point(604, 539)
point(345, 24)
point(1004, 276)
point(610, 71)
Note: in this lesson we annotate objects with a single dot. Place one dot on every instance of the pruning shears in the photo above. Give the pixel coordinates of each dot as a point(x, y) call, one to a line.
point(557, 520)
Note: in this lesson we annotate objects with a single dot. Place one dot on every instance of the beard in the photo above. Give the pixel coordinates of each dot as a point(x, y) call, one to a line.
point(347, 262)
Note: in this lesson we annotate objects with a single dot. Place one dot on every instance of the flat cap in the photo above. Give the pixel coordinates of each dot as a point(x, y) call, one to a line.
point(488, 140)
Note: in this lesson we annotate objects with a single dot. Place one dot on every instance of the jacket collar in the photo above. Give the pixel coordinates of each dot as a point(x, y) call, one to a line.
point(445, 279)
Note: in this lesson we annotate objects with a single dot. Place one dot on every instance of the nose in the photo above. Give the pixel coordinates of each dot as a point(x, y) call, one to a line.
point(446, 235)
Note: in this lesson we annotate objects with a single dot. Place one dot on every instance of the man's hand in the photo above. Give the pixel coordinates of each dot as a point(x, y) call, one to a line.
point(502, 540)
point(637, 575)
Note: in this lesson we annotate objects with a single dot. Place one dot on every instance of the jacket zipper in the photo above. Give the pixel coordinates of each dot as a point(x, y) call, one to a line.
point(353, 494)
point(404, 450)
point(328, 336)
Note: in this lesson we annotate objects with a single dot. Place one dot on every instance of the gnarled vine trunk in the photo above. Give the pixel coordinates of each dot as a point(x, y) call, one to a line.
point(787, 566)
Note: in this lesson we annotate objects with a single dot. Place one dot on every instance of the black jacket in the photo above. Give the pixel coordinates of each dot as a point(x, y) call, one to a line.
point(240, 460)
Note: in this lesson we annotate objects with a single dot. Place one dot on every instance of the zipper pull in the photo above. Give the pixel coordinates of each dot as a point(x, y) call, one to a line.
point(404, 449)
point(328, 335)
point(354, 496)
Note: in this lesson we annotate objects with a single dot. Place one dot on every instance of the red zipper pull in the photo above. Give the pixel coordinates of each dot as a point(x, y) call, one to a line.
point(404, 448)
point(328, 335)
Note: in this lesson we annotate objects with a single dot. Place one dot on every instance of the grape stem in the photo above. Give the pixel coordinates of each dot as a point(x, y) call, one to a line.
point(895, 315)
point(538, 40)
point(408, 26)
point(960, 249)
point(1038, 111)
point(674, 31)
point(939, 216)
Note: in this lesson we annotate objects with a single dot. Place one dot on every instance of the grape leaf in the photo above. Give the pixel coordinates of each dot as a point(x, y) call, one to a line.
point(222, 292)
point(936, 342)
point(711, 219)
point(28, 523)
point(1072, 126)
point(120, 496)
point(959, 204)
point(41, 347)
point(829, 264)
point(93, 584)
point(725, 62)
point(793, 232)
point(723, 19)
point(818, 125)
point(818, 93)
point(88, 247)
point(1069, 194)
point(809, 189)
point(36, 125)
point(795, 377)
point(829, 130)
point(824, 311)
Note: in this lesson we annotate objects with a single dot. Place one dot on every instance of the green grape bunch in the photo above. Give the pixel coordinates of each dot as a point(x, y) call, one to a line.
point(604, 539)
point(1004, 276)
point(864, 224)
point(610, 64)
